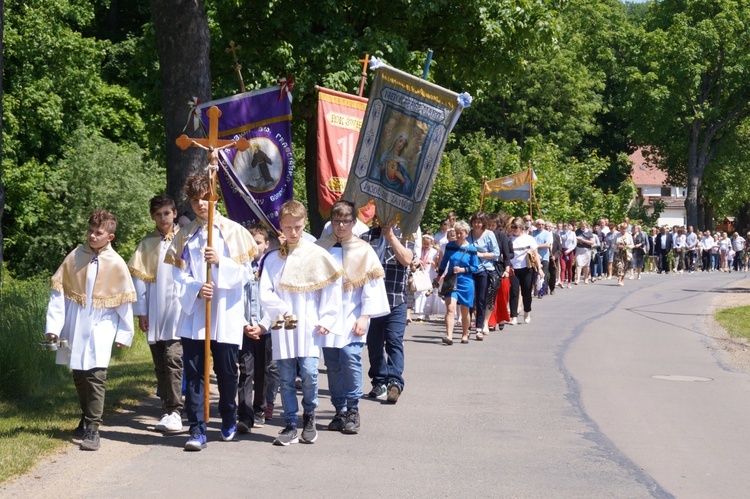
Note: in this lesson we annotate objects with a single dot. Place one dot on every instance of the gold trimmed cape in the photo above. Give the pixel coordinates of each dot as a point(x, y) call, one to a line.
point(308, 267)
point(145, 260)
point(361, 263)
point(113, 285)
point(238, 240)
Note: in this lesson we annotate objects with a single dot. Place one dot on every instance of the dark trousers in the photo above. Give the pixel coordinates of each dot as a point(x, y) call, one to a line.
point(480, 297)
point(385, 347)
point(706, 257)
point(167, 357)
point(225, 367)
point(663, 265)
point(90, 387)
point(552, 275)
point(257, 372)
point(739, 260)
point(521, 283)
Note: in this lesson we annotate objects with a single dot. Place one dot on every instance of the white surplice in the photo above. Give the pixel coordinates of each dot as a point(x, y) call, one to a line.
point(370, 299)
point(229, 277)
point(158, 301)
point(90, 331)
point(313, 309)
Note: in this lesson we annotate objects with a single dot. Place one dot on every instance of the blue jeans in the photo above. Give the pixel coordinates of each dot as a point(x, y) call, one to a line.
point(308, 371)
point(225, 366)
point(344, 366)
point(386, 337)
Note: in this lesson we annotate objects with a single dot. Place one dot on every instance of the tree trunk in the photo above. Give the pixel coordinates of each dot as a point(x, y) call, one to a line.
point(2, 190)
point(183, 41)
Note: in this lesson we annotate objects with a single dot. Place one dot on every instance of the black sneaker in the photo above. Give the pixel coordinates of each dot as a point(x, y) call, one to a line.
point(244, 425)
point(351, 427)
point(287, 436)
point(81, 428)
point(377, 392)
point(338, 421)
point(309, 433)
point(90, 439)
point(394, 391)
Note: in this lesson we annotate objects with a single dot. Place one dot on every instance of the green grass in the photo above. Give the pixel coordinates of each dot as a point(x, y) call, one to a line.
point(38, 402)
point(735, 320)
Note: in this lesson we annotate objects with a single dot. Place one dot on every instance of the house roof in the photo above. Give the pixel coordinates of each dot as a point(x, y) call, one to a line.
point(643, 174)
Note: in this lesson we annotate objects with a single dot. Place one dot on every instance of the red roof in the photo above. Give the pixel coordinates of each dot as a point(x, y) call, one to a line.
point(643, 174)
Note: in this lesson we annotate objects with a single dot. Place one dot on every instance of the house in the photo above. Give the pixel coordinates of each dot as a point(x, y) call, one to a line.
point(651, 185)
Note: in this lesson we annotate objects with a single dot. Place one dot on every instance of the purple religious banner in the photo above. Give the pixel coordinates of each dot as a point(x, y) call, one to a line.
point(257, 181)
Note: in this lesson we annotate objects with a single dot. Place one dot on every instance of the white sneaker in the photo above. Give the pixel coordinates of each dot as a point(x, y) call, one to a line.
point(174, 423)
point(162, 424)
point(527, 317)
point(513, 321)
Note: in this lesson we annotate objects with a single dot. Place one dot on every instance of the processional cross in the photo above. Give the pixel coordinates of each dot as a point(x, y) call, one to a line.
point(213, 145)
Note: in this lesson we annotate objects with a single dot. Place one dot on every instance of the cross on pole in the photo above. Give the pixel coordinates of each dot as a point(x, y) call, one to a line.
point(213, 145)
point(237, 66)
point(364, 62)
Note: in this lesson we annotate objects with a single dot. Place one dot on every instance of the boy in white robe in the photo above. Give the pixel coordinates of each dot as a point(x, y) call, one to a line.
point(158, 309)
point(363, 296)
point(90, 308)
point(297, 284)
point(231, 251)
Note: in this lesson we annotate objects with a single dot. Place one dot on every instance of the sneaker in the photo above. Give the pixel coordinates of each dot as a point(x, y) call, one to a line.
point(162, 424)
point(480, 336)
point(174, 422)
point(90, 439)
point(197, 442)
point(260, 420)
point(352, 422)
point(394, 392)
point(377, 392)
point(244, 425)
point(269, 412)
point(338, 422)
point(287, 436)
point(513, 321)
point(227, 434)
point(527, 318)
point(81, 428)
point(309, 433)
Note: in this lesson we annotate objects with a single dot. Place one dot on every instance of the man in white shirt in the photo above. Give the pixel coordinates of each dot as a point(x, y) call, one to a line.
point(707, 242)
point(738, 245)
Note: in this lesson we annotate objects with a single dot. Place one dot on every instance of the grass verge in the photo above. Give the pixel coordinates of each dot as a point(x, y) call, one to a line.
point(735, 320)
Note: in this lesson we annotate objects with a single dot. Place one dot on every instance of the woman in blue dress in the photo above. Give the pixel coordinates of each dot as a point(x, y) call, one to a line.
point(393, 165)
point(460, 258)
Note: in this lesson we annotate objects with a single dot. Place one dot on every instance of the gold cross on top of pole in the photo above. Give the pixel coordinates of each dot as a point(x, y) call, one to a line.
point(233, 49)
point(364, 62)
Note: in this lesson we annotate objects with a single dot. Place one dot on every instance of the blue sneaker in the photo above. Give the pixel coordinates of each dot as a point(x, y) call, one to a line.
point(227, 434)
point(197, 442)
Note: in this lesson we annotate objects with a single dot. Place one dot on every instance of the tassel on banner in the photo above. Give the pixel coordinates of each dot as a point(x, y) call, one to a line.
point(287, 86)
point(194, 114)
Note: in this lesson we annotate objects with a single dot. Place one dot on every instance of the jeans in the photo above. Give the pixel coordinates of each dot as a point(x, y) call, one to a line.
point(225, 366)
point(344, 366)
point(308, 371)
point(386, 338)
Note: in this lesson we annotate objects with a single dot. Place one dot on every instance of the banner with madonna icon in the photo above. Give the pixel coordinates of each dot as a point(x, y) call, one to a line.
point(257, 181)
point(406, 126)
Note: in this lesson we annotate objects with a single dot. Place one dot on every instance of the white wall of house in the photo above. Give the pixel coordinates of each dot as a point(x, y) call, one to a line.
point(672, 217)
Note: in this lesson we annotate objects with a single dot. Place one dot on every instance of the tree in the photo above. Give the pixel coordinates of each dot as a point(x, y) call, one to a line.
point(691, 90)
point(183, 43)
point(2, 190)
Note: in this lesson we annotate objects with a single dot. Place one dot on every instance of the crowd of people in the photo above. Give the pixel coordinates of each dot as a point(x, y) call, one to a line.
point(274, 304)
point(481, 268)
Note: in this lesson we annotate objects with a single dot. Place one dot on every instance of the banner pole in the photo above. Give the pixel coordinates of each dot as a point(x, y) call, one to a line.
point(427, 63)
point(481, 202)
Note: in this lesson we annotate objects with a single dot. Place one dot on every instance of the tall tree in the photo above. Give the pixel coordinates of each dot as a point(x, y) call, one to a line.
point(183, 43)
point(2, 191)
point(691, 89)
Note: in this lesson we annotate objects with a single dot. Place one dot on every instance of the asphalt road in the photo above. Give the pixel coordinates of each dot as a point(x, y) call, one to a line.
point(609, 392)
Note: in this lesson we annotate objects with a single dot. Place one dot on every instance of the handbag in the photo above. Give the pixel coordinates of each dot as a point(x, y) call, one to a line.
point(420, 281)
point(450, 284)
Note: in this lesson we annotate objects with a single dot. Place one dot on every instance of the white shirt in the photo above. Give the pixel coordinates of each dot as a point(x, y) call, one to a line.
point(707, 243)
point(522, 245)
point(158, 301)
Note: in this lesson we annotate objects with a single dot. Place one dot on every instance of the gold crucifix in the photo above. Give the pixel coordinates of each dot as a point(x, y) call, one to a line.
point(364, 62)
point(213, 145)
point(237, 66)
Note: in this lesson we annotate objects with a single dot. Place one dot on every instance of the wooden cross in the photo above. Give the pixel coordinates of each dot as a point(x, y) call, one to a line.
point(213, 145)
point(237, 67)
point(364, 62)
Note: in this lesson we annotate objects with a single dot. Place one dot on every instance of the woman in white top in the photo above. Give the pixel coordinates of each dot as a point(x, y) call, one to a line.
point(723, 250)
point(523, 277)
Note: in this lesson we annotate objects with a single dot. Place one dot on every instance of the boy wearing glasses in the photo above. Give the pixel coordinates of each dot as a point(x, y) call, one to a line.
point(363, 296)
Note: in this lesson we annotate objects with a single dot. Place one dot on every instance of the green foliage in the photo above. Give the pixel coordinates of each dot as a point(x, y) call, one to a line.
point(48, 206)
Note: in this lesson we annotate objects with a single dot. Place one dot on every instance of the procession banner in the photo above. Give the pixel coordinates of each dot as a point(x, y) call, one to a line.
point(516, 187)
point(340, 118)
point(406, 126)
point(256, 182)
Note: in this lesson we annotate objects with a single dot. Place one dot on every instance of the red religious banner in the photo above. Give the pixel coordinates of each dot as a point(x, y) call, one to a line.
point(340, 117)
